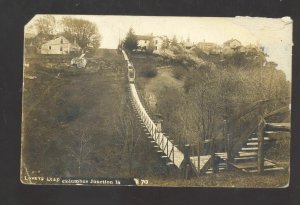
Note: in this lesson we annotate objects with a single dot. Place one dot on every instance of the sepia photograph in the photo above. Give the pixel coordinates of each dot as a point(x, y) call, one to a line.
point(156, 101)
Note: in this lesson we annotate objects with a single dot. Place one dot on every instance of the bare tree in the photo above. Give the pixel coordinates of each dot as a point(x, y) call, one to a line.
point(45, 25)
point(80, 150)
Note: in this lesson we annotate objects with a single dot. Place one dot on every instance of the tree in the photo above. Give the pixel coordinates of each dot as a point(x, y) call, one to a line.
point(84, 32)
point(45, 25)
point(151, 46)
point(165, 44)
point(130, 41)
point(79, 150)
point(95, 41)
point(174, 41)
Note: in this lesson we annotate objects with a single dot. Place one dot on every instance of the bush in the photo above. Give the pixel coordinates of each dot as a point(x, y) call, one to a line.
point(179, 72)
point(150, 73)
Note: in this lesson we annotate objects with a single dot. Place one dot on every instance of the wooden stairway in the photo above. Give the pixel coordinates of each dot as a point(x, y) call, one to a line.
point(246, 160)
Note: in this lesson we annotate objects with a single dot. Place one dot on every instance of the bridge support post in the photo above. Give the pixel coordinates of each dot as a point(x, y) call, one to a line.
point(260, 152)
point(214, 162)
point(186, 164)
point(228, 152)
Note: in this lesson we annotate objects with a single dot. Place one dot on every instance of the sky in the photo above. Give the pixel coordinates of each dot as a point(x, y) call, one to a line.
point(274, 34)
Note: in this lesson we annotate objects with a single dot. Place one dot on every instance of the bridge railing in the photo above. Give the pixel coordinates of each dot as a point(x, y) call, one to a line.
point(162, 141)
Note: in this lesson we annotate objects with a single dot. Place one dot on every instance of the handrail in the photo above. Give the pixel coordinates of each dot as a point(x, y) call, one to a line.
point(160, 139)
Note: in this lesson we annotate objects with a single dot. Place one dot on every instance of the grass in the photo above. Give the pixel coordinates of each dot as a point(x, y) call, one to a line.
point(63, 103)
point(229, 179)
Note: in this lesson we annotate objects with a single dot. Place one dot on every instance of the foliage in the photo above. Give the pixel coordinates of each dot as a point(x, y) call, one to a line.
point(150, 72)
point(151, 47)
point(212, 94)
point(165, 43)
point(174, 41)
point(84, 32)
point(45, 25)
point(130, 42)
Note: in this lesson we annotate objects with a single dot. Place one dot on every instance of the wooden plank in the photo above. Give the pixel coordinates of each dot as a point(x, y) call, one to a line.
point(285, 127)
point(275, 135)
point(256, 139)
point(251, 165)
point(249, 149)
point(247, 154)
point(252, 143)
point(267, 169)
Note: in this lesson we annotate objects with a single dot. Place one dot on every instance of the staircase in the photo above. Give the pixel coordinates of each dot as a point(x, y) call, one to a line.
point(246, 159)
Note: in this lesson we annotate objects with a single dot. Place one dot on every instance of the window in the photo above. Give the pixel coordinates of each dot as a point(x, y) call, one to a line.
point(61, 40)
point(155, 41)
point(61, 48)
point(49, 47)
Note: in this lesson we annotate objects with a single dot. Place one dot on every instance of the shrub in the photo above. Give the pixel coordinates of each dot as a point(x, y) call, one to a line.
point(179, 72)
point(150, 73)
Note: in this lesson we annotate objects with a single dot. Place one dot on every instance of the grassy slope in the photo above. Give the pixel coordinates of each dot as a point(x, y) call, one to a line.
point(59, 109)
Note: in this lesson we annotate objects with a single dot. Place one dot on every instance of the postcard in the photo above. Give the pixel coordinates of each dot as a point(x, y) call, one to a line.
point(156, 101)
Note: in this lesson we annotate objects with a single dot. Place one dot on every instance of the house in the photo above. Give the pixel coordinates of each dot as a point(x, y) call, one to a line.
point(188, 45)
point(252, 48)
point(232, 46)
point(143, 41)
point(158, 41)
point(146, 41)
point(209, 48)
point(59, 45)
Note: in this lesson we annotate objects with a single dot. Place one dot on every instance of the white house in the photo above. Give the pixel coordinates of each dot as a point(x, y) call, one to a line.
point(158, 41)
point(231, 46)
point(209, 48)
point(59, 45)
point(144, 42)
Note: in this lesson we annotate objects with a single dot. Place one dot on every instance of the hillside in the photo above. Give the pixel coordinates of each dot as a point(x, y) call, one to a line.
point(194, 92)
point(72, 120)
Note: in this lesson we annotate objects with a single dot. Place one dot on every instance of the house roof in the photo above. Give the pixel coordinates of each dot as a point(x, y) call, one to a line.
point(230, 41)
